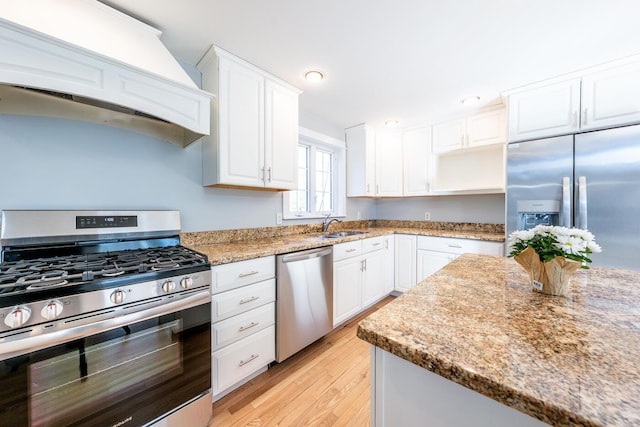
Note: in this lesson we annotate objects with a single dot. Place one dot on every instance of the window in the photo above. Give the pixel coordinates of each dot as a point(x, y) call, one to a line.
point(320, 187)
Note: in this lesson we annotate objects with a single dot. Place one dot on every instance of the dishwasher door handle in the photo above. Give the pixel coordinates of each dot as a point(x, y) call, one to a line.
point(306, 255)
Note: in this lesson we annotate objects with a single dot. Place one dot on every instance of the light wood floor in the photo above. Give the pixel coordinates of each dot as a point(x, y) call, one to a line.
point(326, 384)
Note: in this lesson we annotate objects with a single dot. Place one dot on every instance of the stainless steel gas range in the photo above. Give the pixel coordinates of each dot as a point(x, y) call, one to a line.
point(105, 320)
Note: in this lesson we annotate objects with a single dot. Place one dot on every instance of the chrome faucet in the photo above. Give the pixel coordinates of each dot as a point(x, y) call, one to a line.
point(326, 223)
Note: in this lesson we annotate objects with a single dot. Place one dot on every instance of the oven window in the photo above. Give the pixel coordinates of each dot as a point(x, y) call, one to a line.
point(130, 375)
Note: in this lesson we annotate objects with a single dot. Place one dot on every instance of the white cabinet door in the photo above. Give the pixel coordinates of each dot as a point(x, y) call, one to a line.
point(405, 262)
point(373, 277)
point(416, 146)
point(449, 135)
point(487, 128)
point(281, 136)
point(241, 121)
point(361, 161)
point(611, 97)
point(429, 262)
point(388, 163)
point(545, 111)
point(389, 264)
point(254, 125)
point(347, 282)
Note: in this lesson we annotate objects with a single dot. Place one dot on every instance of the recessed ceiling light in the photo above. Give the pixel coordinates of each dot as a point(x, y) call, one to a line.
point(314, 76)
point(391, 123)
point(470, 100)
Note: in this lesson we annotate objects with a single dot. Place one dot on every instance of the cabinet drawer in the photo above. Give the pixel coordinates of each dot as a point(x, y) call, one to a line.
point(242, 358)
point(243, 325)
point(236, 274)
point(372, 244)
point(347, 250)
point(236, 301)
point(459, 246)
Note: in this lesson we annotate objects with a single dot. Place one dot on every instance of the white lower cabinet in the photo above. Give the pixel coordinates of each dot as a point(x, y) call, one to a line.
point(239, 360)
point(433, 253)
point(358, 276)
point(428, 262)
point(405, 262)
point(389, 249)
point(243, 316)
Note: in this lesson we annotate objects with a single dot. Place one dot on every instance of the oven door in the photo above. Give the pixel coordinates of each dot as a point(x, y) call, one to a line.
point(141, 371)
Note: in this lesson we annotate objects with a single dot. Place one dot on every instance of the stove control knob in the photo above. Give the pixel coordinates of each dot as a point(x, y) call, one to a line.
point(17, 317)
point(168, 286)
point(52, 310)
point(118, 296)
point(186, 282)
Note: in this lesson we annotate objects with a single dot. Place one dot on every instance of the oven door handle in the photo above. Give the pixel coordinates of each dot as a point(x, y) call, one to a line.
point(23, 345)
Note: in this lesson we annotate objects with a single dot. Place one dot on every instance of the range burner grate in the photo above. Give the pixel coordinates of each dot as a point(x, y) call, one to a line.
point(47, 273)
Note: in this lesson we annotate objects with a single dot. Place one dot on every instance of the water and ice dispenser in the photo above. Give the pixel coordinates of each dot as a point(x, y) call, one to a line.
point(536, 212)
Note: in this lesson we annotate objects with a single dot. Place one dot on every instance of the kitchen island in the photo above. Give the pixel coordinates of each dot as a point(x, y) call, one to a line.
point(475, 334)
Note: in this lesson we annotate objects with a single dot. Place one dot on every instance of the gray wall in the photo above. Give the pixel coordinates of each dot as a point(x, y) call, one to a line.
point(487, 208)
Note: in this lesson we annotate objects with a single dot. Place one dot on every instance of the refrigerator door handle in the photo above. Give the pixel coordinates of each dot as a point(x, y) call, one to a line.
point(582, 202)
point(566, 201)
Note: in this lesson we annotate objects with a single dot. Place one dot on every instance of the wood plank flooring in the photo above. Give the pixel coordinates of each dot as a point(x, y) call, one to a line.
point(326, 384)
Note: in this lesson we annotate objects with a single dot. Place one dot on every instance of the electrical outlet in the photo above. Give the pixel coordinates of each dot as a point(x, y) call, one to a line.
point(427, 216)
point(279, 218)
point(358, 215)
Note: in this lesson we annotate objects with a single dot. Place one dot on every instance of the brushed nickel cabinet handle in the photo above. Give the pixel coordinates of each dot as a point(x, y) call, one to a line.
point(248, 300)
point(251, 273)
point(249, 326)
point(252, 357)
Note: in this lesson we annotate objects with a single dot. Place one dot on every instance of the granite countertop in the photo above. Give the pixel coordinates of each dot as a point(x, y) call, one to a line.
point(248, 248)
point(571, 360)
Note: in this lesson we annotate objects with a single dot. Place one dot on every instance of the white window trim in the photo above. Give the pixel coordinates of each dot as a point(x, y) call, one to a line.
point(340, 176)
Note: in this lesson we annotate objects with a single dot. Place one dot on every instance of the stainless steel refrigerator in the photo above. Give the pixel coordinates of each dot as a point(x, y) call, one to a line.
point(589, 180)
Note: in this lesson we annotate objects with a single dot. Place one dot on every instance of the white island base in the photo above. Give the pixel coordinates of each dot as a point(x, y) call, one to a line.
point(404, 394)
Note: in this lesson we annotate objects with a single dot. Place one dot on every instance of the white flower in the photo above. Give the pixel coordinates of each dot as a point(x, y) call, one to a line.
point(594, 247)
point(521, 235)
point(570, 244)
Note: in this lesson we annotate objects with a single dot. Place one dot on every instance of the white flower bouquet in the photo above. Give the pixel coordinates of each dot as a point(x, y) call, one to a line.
point(551, 254)
point(551, 241)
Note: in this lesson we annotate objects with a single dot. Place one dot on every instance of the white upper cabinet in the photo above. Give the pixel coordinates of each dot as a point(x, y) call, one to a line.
point(449, 135)
point(416, 144)
point(374, 162)
point(468, 154)
point(388, 163)
point(281, 136)
point(487, 128)
point(254, 121)
point(604, 96)
point(544, 111)
point(361, 161)
point(611, 97)
point(481, 129)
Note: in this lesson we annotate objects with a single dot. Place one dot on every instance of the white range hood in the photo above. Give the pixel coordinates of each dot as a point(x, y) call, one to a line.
point(82, 60)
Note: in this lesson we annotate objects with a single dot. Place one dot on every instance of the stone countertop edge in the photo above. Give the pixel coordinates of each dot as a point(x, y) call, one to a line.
point(567, 361)
point(223, 253)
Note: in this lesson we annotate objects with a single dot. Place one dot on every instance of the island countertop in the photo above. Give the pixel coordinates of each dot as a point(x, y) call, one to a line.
point(571, 360)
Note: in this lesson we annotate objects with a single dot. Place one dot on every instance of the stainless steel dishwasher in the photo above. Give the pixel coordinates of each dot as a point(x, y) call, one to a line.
point(304, 299)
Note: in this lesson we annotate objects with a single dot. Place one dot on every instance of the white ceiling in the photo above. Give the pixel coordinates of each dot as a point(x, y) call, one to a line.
point(411, 60)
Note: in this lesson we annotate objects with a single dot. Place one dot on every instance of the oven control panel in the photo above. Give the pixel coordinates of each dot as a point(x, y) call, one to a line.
point(110, 221)
point(85, 305)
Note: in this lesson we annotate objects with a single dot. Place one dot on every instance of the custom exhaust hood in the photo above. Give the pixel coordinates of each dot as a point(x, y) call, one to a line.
point(82, 60)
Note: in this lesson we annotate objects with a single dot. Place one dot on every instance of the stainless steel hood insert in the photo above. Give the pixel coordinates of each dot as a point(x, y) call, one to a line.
point(89, 62)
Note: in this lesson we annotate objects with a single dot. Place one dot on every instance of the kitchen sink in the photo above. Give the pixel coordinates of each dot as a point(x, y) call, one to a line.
point(342, 234)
